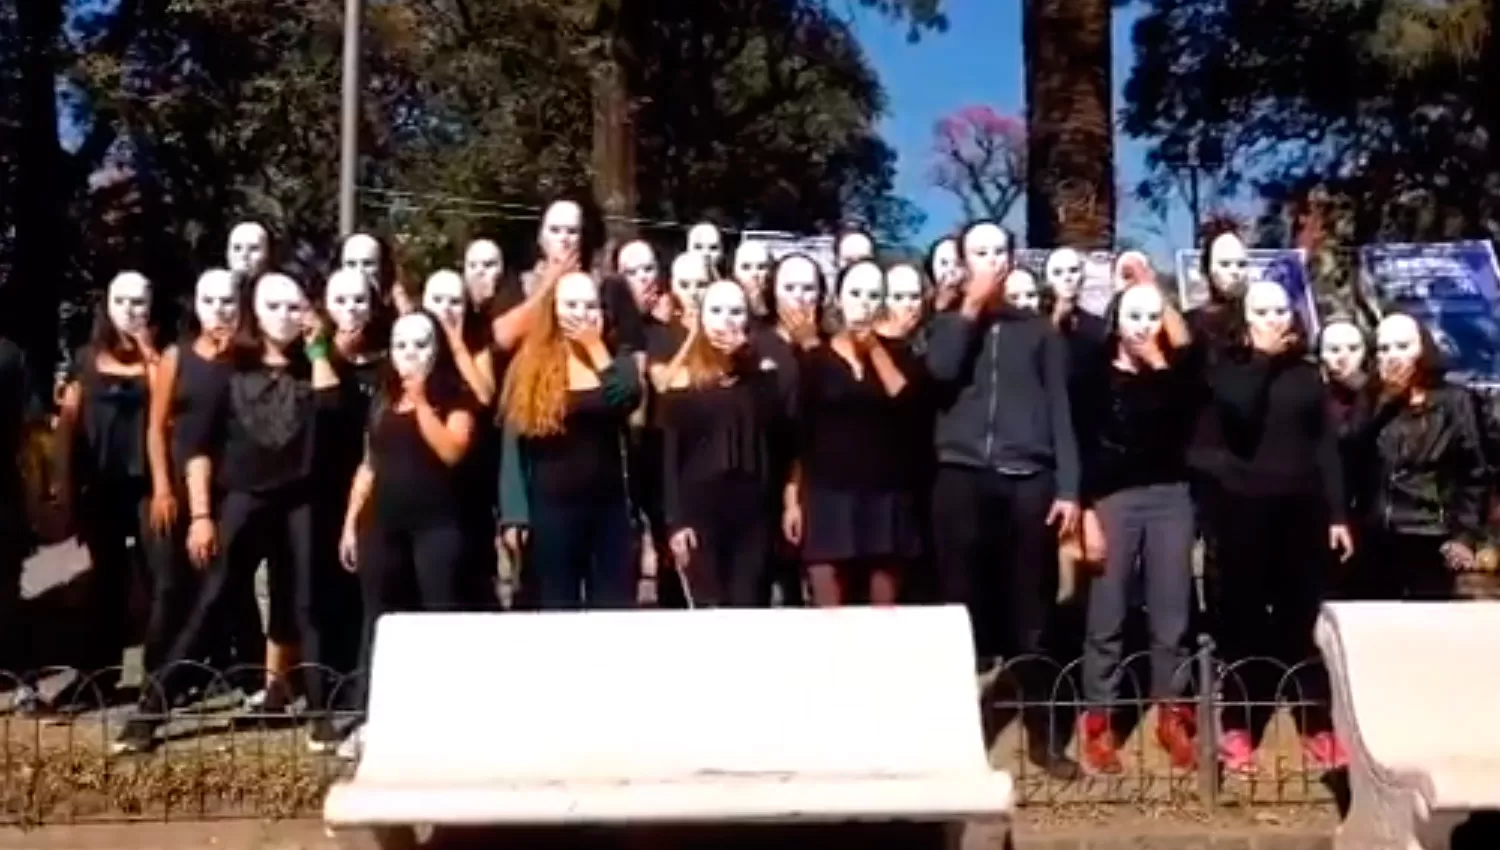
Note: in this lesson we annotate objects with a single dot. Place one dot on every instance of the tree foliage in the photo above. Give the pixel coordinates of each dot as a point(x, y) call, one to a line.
point(979, 157)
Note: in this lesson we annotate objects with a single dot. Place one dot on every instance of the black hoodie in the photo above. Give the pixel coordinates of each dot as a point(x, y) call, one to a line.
point(1003, 391)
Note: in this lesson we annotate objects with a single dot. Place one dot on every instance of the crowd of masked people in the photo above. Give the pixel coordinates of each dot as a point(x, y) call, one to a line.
point(733, 429)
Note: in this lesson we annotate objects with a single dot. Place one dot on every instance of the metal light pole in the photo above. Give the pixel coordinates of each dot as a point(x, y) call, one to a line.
point(354, 13)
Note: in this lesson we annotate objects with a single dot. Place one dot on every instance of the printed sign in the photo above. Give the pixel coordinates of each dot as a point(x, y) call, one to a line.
point(820, 248)
point(1098, 276)
point(1452, 289)
point(1286, 266)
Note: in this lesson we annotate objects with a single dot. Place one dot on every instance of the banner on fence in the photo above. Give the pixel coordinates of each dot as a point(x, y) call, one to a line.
point(1098, 276)
point(1286, 266)
point(1453, 288)
point(821, 248)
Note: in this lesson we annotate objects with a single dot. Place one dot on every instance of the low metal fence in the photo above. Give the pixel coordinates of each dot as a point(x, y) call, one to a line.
point(213, 758)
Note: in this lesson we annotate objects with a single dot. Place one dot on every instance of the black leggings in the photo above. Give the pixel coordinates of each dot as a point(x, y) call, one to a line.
point(733, 530)
point(416, 570)
point(578, 555)
point(109, 516)
point(252, 528)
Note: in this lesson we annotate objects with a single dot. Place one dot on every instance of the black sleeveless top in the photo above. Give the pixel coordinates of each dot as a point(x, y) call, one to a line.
point(110, 445)
point(200, 383)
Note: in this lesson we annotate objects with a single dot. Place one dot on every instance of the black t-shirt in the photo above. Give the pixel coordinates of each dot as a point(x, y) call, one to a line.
point(199, 386)
point(414, 488)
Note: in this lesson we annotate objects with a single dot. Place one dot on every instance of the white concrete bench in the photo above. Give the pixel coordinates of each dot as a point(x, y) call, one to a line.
point(1416, 699)
point(672, 717)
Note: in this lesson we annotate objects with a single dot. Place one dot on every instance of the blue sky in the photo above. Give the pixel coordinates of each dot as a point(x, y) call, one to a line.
point(979, 61)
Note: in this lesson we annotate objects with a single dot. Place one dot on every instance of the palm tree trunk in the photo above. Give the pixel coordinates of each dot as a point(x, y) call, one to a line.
point(31, 294)
point(1070, 179)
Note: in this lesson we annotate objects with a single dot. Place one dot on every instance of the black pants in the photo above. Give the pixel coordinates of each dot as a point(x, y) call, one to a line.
point(1391, 566)
point(578, 555)
point(277, 528)
point(733, 530)
point(17, 653)
point(336, 591)
point(408, 570)
point(996, 555)
point(111, 517)
point(1273, 571)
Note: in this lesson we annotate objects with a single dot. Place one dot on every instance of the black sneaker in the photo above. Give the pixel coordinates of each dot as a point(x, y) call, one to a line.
point(137, 736)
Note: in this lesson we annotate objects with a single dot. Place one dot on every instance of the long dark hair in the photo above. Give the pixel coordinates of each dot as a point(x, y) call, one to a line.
point(444, 385)
point(1236, 328)
point(929, 262)
point(963, 237)
point(590, 233)
point(249, 345)
point(1432, 364)
point(105, 338)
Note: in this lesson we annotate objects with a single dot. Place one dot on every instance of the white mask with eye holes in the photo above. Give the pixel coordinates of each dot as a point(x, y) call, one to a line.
point(861, 294)
point(215, 301)
point(1065, 273)
point(752, 268)
point(947, 271)
point(129, 303)
point(1341, 348)
point(690, 279)
point(1021, 291)
point(280, 307)
point(347, 300)
point(1398, 343)
point(903, 292)
point(361, 253)
point(726, 312)
point(443, 297)
point(248, 250)
point(706, 240)
point(414, 346)
point(1228, 265)
point(483, 265)
point(1268, 308)
point(855, 248)
point(797, 283)
point(562, 230)
point(987, 249)
point(1140, 313)
point(639, 268)
point(577, 301)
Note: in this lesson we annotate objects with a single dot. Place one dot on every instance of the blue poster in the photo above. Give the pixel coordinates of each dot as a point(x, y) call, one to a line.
point(1451, 288)
point(1286, 266)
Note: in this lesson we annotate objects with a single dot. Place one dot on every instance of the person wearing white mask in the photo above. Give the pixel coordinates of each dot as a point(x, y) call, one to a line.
point(568, 399)
point(404, 534)
point(752, 271)
point(1135, 455)
point(562, 247)
point(688, 280)
point(445, 298)
point(248, 251)
point(719, 401)
point(905, 302)
point(258, 448)
point(853, 247)
point(637, 263)
point(1424, 519)
point(855, 514)
point(947, 273)
point(103, 471)
point(1277, 514)
point(1008, 478)
point(484, 265)
point(707, 241)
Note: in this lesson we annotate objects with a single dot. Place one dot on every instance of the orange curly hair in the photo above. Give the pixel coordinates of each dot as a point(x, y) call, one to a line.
point(534, 400)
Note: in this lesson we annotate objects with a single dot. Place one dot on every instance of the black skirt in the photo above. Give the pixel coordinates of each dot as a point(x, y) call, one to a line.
point(850, 525)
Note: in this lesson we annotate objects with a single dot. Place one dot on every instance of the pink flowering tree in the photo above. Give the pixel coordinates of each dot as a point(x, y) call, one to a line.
point(979, 156)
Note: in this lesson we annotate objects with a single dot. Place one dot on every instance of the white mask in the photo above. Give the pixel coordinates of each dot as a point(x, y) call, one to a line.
point(215, 301)
point(690, 279)
point(987, 249)
point(1021, 291)
point(947, 271)
point(347, 299)
point(1267, 307)
point(1141, 308)
point(413, 345)
point(797, 283)
point(1342, 350)
point(903, 291)
point(577, 298)
point(752, 267)
point(1065, 273)
point(853, 248)
point(248, 249)
point(639, 268)
point(706, 240)
point(725, 309)
point(1398, 342)
point(129, 302)
point(562, 230)
point(361, 253)
point(443, 296)
point(483, 265)
point(861, 292)
point(279, 308)
point(1228, 264)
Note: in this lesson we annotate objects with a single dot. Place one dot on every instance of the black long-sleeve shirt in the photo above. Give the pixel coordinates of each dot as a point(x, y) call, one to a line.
point(1139, 425)
point(853, 430)
point(1003, 396)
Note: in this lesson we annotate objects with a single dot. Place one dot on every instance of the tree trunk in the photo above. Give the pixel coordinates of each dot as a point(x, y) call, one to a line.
point(1070, 174)
point(32, 294)
point(614, 130)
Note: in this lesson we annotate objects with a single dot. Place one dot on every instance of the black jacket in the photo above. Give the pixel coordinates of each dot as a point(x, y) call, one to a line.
point(1003, 396)
point(1430, 473)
